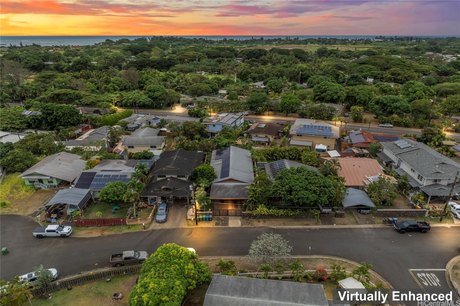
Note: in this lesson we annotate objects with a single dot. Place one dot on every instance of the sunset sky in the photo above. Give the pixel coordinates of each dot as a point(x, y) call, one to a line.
point(227, 17)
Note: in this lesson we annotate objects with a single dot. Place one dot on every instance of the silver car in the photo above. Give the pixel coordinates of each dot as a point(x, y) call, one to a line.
point(31, 278)
point(455, 209)
point(162, 213)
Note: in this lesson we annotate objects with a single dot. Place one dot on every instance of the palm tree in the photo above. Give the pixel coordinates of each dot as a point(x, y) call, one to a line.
point(133, 193)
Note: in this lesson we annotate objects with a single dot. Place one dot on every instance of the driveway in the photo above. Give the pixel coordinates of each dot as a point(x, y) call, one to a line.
point(176, 217)
point(400, 258)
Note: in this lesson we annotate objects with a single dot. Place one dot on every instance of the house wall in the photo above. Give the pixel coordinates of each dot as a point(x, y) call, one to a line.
point(227, 207)
point(329, 142)
point(214, 127)
point(42, 182)
point(135, 149)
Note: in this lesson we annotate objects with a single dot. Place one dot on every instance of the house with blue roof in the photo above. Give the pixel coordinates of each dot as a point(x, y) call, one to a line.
point(317, 135)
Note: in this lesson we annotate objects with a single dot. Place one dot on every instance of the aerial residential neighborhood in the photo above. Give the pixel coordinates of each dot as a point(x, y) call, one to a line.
point(229, 153)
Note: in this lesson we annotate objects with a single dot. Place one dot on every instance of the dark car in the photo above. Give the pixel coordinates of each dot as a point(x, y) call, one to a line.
point(162, 213)
point(411, 226)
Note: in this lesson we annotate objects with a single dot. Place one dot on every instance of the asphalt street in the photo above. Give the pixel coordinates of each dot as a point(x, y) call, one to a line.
point(394, 256)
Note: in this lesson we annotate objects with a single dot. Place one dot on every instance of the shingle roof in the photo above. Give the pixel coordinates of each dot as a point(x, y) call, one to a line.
point(64, 166)
point(166, 187)
point(234, 164)
point(356, 198)
point(229, 191)
point(271, 129)
point(235, 290)
point(90, 138)
point(178, 162)
point(423, 159)
point(144, 137)
point(273, 168)
point(355, 169)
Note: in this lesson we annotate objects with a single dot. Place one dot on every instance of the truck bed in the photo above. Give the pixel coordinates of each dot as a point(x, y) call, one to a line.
point(39, 230)
point(116, 258)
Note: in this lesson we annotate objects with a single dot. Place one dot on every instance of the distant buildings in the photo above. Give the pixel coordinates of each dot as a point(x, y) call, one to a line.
point(265, 133)
point(145, 139)
point(320, 136)
point(216, 123)
point(92, 140)
point(136, 121)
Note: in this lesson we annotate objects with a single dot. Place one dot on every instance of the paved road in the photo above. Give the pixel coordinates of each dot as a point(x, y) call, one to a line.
point(393, 255)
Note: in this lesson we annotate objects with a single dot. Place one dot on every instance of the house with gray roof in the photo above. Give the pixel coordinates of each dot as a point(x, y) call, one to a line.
point(318, 135)
point(227, 290)
point(70, 199)
point(136, 121)
point(145, 139)
point(234, 170)
point(216, 123)
point(357, 199)
point(171, 175)
point(93, 140)
point(427, 170)
point(273, 168)
point(10, 137)
point(53, 170)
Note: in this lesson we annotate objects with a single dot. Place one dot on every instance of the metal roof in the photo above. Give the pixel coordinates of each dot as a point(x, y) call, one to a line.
point(64, 166)
point(178, 162)
point(72, 196)
point(233, 164)
point(236, 290)
point(229, 191)
point(309, 127)
point(356, 198)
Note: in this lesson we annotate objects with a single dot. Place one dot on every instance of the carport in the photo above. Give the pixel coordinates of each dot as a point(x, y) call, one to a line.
point(66, 201)
point(357, 199)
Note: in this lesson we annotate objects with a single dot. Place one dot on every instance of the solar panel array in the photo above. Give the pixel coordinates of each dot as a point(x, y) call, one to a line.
point(225, 168)
point(315, 130)
point(85, 179)
point(277, 166)
point(402, 144)
point(101, 180)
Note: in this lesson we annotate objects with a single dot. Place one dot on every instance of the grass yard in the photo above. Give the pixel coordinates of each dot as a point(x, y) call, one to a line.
point(106, 210)
point(19, 198)
point(95, 293)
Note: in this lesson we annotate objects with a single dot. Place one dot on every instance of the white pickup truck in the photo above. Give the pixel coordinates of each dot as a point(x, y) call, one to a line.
point(53, 231)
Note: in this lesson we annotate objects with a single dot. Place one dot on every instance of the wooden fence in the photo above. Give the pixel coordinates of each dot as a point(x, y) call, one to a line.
point(99, 222)
point(84, 278)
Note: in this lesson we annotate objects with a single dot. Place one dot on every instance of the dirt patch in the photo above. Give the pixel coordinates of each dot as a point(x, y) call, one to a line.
point(29, 203)
point(104, 230)
point(401, 202)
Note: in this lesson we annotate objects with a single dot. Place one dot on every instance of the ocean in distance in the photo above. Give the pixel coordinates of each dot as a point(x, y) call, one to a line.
point(91, 40)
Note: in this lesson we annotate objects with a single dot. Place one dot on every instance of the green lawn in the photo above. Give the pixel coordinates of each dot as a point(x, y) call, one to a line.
point(106, 210)
point(95, 293)
point(13, 188)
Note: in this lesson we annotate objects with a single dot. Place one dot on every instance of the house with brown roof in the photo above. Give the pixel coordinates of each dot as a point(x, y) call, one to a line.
point(357, 170)
point(265, 133)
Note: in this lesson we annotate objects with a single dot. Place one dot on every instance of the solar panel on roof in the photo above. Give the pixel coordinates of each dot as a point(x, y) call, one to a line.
point(85, 180)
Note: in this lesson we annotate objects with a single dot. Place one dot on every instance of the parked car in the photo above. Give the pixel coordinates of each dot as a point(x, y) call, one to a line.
point(128, 258)
point(411, 226)
point(54, 230)
point(162, 213)
point(454, 209)
point(31, 278)
point(386, 125)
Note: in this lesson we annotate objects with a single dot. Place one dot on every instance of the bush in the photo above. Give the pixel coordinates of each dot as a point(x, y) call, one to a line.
point(263, 210)
point(227, 267)
point(113, 119)
point(167, 275)
point(321, 274)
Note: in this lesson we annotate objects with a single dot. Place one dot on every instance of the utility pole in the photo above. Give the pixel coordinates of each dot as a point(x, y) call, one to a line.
point(450, 196)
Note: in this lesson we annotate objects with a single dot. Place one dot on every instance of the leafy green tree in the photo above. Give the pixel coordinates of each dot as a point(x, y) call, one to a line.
point(11, 119)
point(265, 268)
point(167, 275)
point(451, 106)
point(135, 98)
point(40, 144)
point(318, 111)
point(203, 175)
point(200, 89)
point(142, 155)
point(330, 167)
point(389, 105)
point(310, 157)
point(54, 116)
point(113, 192)
point(357, 113)
point(258, 102)
point(198, 112)
point(18, 161)
point(374, 148)
point(432, 135)
point(415, 90)
point(259, 191)
point(275, 85)
point(193, 130)
point(301, 187)
point(290, 103)
point(202, 198)
point(403, 184)
point(44, 277)
point(160, 96)
point(422, 109)
point(5, 148)
point(269, 247)
point(360, 95)
point(14, 293)
point(382, 192)
point(329, 92)
point(297, 270)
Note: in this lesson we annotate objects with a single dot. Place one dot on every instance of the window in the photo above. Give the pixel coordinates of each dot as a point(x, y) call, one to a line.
point(419, 177)
point(412, 170)
point(153, 147)
point(436, 181)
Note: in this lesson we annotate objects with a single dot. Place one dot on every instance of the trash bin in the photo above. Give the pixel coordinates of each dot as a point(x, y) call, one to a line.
point(5, 251)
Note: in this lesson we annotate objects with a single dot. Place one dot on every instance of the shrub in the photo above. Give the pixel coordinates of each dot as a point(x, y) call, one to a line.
point(263, 210)
point(227, 267)
point(321, 274)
